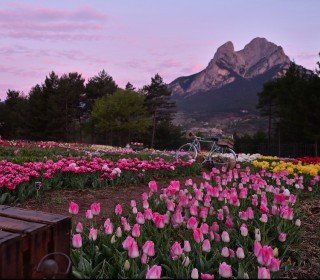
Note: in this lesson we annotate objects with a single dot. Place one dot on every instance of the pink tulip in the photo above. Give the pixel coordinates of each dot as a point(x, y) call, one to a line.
point(79, 227)
point(118, 209)
point(207, 276)
point(177, 218)
point(264, 254)
point(225, 270)
point(215, 227)
point(263, 273)
point(274, 210)
point(244, 230)
point(73, 208)
point(176, 250)
point(264, 218)
point(77, 241)
point(108, 227)
point(153, 186)
point(250, 213)
point(140, 218)
point(225, 236)
point(131, 245)
point(232, 253)
point(194, 274)
point(206, 246)
point(89, 214)
point(136, 230)
point(192, 223)
point(154, 272)
point(127, 242)
point(170, 205)
point(243, 215)
point(286, 212)
point(220, 215)
point(148, 214)
point(197, 235)
point(93, 234)
point(144, 258)
point(189, 182)
point(160, 220)
point(95, 208)
point(282, 237)
point(133, 203)
point(148, 248)
point(145, 204)
point(257, 248)
point(240, 253)
point(229, 222)
point(204, 228)
point(145, 196)
point(133, 251)
point(186, 246)
point(225, 252)
point(275, 264)
point(217, 237)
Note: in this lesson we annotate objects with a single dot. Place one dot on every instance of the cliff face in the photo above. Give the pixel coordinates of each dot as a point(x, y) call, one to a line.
point(257, 58)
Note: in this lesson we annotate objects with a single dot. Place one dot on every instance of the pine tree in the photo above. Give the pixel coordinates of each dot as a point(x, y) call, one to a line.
point(129, 86)
point(159, 103)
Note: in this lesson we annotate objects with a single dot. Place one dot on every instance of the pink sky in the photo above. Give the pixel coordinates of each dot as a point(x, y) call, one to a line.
point(133, 40)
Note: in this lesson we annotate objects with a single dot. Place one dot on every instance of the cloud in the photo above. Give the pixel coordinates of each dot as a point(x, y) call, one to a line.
point(36, 23)
point(18, 72)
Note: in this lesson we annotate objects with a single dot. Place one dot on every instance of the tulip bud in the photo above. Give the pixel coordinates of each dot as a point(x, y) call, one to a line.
point(113, 239)
point(240, 253)
point(298, 223)
point(286, 192)
point(186, 261)
point(275, 252)
point(126, 265)
point(194, 274)
point(225, 252)
point(257, 235)
point(119, 232)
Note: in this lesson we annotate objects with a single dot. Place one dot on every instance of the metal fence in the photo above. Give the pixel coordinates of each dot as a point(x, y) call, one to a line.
point(283, 150)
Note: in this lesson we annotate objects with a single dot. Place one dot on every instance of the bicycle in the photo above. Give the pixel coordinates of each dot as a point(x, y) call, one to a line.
point(218, 154)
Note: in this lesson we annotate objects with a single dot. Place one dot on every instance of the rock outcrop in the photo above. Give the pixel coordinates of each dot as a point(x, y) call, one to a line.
point(227, 66)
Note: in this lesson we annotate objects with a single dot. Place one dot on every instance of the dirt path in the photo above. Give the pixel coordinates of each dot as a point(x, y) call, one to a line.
point(309, 247)
point(57, 201)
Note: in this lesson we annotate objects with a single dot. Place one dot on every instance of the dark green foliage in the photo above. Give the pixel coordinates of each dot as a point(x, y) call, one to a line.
point(100, 85)
point(121, 116)
point(13, 113)
point(129, 86)
point(63, 108)
point(159, 103)
point(292, 104)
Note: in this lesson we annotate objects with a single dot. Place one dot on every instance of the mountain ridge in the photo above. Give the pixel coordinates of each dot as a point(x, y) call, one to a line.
point(228, 65)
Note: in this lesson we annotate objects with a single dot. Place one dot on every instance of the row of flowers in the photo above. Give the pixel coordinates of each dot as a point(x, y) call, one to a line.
point(11, 174)
point(239, 223)
point(289, 166)
point(87, 149)
point(304, 165)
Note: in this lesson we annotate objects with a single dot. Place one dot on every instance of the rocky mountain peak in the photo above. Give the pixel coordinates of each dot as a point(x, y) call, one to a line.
point(227, 65)
point(225, 48)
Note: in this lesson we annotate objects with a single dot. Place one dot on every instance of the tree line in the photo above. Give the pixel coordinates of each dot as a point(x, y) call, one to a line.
point(291, 105)
point(66, 108)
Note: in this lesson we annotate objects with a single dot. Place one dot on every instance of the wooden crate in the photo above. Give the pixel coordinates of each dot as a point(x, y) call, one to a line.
point(41, 233)
point(10, 248)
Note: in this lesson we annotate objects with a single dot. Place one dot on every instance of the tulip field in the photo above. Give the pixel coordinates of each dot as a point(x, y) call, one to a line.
point(187, 222)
